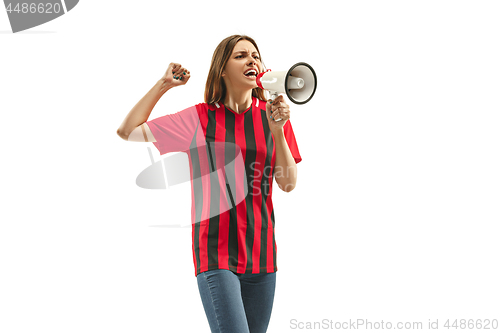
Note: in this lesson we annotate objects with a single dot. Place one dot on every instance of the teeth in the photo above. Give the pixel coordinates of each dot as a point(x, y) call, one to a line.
point(251, 72)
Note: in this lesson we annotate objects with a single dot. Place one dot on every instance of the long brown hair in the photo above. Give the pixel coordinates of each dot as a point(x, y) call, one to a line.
point(215, 88)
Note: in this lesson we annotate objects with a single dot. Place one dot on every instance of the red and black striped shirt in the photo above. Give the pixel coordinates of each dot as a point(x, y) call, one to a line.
point(232, 159)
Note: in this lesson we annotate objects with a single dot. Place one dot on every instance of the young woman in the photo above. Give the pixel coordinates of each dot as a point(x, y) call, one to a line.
point(234, 248)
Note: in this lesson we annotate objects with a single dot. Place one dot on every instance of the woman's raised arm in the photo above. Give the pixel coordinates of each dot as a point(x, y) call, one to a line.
point(176, 75)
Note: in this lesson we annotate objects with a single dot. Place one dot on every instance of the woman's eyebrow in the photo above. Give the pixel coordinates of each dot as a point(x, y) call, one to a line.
point(245, 52)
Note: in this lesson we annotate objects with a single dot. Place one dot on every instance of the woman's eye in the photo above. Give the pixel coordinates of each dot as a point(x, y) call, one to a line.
point(240, 56)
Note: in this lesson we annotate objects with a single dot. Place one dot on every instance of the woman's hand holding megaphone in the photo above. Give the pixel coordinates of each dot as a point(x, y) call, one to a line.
point(278, 113)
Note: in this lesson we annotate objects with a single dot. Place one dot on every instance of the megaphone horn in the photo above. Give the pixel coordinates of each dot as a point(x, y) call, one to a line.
point(299, 82)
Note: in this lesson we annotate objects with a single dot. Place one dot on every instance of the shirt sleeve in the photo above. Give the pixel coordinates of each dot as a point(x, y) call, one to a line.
point(290, 140)
point(174, 132)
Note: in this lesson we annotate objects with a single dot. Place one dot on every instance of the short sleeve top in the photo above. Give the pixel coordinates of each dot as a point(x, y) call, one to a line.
point(232, 164)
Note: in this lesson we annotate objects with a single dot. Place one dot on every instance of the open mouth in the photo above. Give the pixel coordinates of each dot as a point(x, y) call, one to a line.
point(251, 73)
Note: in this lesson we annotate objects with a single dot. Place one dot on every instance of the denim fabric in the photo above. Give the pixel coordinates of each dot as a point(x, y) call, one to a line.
point(237, 303)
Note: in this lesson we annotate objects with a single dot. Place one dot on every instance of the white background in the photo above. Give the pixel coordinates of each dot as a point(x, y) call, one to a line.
point(395, 216)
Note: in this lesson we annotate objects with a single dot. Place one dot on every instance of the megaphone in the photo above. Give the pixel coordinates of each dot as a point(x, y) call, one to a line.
point(299, 82)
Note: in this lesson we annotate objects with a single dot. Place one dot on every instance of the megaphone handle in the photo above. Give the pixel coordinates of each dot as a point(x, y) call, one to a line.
point(274, 95)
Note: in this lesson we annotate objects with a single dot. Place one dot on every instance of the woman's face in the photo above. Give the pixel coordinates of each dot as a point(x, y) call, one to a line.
point(243, 58)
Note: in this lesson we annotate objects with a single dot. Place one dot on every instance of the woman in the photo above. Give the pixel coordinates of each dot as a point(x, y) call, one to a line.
point(234, 249)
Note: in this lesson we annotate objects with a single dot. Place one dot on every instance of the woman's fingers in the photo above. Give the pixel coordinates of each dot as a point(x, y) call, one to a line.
point(174, 67)
point(176, 75)
point(183, 73)
point(176, 72)
point(280, 111)
point(180, 73)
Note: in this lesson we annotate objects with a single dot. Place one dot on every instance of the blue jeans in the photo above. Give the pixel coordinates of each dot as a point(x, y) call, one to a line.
point(237, 303)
